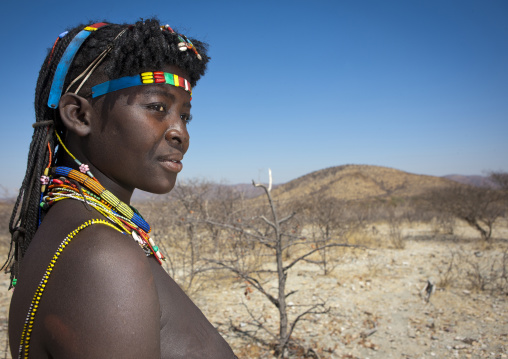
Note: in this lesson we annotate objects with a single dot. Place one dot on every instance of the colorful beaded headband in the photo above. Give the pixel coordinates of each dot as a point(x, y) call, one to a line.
point(145, 78)
point(66, 61)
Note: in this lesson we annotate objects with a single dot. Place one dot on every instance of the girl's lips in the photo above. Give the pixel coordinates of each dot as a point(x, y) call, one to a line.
point(172, 165)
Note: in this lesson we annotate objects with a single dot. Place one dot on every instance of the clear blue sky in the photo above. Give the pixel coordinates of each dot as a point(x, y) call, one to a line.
point(297, 86)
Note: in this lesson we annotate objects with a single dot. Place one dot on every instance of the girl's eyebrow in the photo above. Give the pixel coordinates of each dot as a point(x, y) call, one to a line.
point(157, 90)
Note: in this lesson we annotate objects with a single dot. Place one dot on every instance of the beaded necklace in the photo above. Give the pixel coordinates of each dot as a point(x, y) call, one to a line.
point(60, 186)
point(95, 195)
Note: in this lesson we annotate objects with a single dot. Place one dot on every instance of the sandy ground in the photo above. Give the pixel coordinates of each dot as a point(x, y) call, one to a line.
point(375, 305)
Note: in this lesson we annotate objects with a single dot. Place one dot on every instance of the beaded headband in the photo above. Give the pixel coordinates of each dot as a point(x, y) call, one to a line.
point(113, 85)
point(145, 78)
point(66, 61)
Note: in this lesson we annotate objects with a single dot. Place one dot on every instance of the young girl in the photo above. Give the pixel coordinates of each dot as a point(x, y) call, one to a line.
point(112, 105)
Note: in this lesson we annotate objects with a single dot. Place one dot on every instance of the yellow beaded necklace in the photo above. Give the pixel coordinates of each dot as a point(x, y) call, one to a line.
point(24, 345)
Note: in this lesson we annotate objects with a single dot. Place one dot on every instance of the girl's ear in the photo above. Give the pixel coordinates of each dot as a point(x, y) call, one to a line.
point(76, 114)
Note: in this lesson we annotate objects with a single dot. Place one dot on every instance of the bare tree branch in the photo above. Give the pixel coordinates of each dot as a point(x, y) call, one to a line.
point(253, 281)
point(271, 224)
point(285, 219)
point(260, 238)
point(292, 292)
point(248, 335)
point(257, 322)
point(307, 312)
point(318, 249)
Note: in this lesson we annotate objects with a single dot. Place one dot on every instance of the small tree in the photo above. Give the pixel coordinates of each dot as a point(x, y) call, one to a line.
point(177, 220)
point(272, 232)
point(500, 179)
point(477, 206)
point(324, 218)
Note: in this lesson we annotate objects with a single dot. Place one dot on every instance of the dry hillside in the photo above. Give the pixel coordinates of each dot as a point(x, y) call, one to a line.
point(358, 182)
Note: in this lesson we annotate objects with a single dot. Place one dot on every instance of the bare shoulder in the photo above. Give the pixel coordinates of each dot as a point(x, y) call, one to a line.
point(101, 299)
point(185, 331)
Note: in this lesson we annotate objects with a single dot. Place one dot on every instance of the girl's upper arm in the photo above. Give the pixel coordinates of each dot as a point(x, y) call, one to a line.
point(102, 298)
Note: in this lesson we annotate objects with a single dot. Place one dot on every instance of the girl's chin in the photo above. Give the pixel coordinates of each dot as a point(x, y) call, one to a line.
point(162, 187)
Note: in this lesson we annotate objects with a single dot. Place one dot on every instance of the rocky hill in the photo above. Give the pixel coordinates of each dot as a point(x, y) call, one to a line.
point(359, 182)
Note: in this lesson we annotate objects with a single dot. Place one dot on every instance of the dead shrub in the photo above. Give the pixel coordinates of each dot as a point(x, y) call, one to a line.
point(363, 238)
point(477, 271)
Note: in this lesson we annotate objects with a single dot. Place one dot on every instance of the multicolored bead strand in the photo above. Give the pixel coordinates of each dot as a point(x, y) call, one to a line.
point(107, 204)
point(145, 78)
point(102, 192)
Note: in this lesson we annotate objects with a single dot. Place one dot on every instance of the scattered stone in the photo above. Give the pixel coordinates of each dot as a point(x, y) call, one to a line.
point(468, 340)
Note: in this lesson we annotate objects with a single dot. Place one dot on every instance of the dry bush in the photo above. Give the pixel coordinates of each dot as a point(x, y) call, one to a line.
point(375, 268)
point(177, 241)
point(443, 224)
point(326, 224)
point(364, 237)
point(5, 215)
point(239, 248)
point(396, 237)
point(475, 270)
point(448, 272)
point(378, 235)
point(395, 229)
point(489, 274)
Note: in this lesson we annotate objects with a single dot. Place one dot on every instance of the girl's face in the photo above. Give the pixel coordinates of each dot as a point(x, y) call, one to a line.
point(139, 135)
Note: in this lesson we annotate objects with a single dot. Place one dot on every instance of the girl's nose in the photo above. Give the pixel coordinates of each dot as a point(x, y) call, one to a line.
point(177, 135)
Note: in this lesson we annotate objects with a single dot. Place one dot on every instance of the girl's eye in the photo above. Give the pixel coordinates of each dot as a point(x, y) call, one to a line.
point(157, 107)
point(186, 117)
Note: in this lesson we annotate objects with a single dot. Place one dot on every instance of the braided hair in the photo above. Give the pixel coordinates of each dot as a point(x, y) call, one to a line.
point(135, 48)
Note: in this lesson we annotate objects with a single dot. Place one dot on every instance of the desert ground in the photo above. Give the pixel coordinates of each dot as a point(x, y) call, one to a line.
point(375, 299)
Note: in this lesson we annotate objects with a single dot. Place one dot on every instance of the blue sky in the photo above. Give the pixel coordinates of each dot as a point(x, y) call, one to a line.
point(297, 86)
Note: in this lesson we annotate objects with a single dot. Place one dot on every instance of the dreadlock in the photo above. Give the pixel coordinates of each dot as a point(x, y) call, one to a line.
point(141, 46)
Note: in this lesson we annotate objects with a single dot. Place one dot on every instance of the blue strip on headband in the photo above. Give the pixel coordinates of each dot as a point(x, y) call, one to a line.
point(145, 78)
point(66, 61)
point(114, 85)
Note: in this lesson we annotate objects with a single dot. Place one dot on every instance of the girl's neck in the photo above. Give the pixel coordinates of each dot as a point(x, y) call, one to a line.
point(124, 194)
